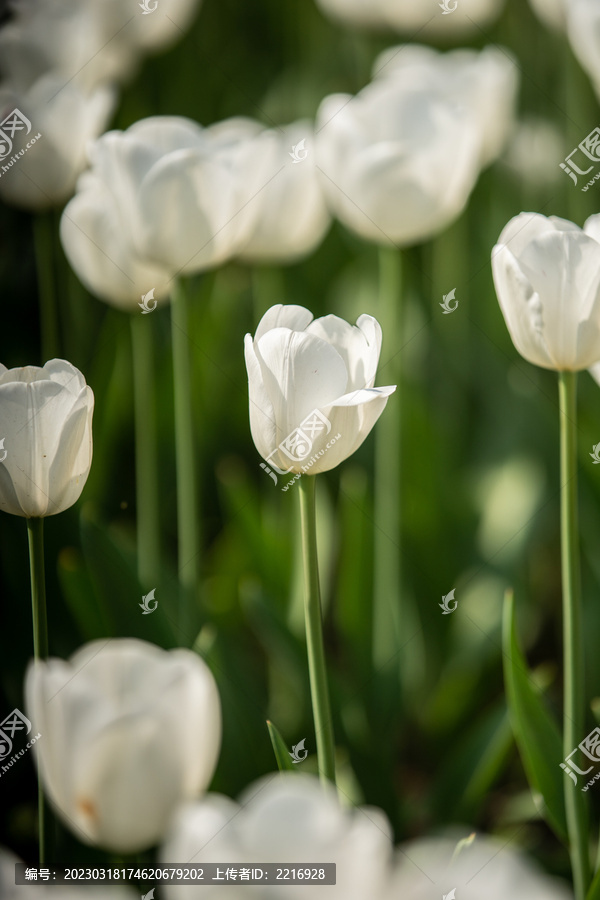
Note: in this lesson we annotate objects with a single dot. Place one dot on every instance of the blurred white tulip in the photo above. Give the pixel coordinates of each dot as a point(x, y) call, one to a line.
point(398, 162)
point(485, 868)
point(293, 217)
point(533, 150)
point(547, 278)
point(296, 366)
point(46, 428)
point(484, 82)
point(39, 891)
point(426, 17)
point(90, 42)
point(283, 818)
point(552, 13)
point(164, 198)
point(42, 173)
point(129, 731)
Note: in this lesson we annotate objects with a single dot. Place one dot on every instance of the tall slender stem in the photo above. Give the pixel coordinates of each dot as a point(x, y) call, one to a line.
point(314, 632)
point(43, 239)
point(574, 690)
point(35, 535)
point(386, 588)
point(188, 528)
point(146, 455)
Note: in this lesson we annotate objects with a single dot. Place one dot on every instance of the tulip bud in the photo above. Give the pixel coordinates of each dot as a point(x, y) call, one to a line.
point(128, 732)
point(46, 434)
point(312, 400)
point(547, 278)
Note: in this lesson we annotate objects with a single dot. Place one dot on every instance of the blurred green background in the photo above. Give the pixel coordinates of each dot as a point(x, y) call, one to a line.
point(426, 738)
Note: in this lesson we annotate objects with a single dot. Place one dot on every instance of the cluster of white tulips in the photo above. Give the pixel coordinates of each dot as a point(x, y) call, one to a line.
point(131, 733)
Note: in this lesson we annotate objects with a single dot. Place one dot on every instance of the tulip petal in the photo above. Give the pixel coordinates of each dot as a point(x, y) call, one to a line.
point(300, 373)
point(297, 318)
point(359, 346)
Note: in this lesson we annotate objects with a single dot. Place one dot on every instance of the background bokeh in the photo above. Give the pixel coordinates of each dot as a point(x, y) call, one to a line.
point(426, 737)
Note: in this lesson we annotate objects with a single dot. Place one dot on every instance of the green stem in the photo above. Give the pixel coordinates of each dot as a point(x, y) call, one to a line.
point(43, 239)
point(386, 587)
point(146, 456)
point(574, 691)
point(35, 534)
point(314, 632)
point(188, 529)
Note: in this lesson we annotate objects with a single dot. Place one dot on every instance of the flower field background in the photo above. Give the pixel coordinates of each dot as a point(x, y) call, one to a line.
point(419, 707)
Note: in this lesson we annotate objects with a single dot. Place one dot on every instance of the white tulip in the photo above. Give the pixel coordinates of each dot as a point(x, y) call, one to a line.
point(41, 168)
point(425, 16)
point(128, 732)
point(164, 198)
point(484, 82)
point(283, 818)
point(398, 162)
point(46, 432)
point(547, 278)
point(552, 13)
point(484, 868)
point(293, 216)
point(46, 891)
point(89, 42)
point(296, 366)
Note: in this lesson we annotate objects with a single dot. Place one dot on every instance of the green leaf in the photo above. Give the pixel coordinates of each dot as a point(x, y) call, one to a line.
point(284, 763)
point(594, 891)
point(535, 730)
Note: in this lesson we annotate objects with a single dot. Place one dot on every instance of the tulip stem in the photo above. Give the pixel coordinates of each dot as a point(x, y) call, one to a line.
point(146, 456)
point(43, 239)
point(35, 534)
point(188, 529)
point(574, 696)
point(386, 587)
point(314, 632)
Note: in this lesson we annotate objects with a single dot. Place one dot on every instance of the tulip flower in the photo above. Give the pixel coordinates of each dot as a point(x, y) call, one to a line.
point(583, 29)
point(297, 366)
point(312, 404)
point(46, 427)
point(547, 277)
point(552, 13)
point(398, 161)
point(293, 216)
point(480, 867)
point(283, 818)
point(41, 168)
point(467, 17)
point(129, 731)
point(484, 82)
point(118, 233)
